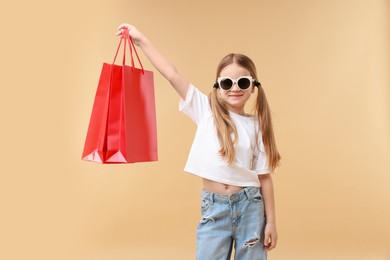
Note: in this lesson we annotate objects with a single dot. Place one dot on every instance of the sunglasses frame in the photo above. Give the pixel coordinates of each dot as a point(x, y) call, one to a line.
point(250, 78)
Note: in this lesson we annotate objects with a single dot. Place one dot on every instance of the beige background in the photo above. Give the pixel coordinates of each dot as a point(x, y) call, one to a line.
point(325, 67)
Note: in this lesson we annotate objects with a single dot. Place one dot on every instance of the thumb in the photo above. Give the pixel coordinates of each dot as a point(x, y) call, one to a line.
point(266, 239)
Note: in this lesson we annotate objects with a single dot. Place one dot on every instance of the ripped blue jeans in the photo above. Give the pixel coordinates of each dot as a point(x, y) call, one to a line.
point(236, 220)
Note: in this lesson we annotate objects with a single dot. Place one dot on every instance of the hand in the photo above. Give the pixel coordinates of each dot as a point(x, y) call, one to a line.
point(136, 35)
point(270, 237)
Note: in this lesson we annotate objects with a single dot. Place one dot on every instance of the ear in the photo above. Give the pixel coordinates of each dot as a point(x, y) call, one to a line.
point(253, 90)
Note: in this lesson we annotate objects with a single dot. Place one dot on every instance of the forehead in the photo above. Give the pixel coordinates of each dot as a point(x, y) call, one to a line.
point(234, 71)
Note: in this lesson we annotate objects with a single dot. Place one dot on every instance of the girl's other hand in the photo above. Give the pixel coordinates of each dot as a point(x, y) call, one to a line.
point(270, 237)
point(133, 32)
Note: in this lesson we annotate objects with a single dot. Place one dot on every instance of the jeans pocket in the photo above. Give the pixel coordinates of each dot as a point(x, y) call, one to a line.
point(205, 205)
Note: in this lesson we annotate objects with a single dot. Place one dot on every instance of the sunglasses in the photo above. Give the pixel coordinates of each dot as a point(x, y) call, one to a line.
point(243, 82)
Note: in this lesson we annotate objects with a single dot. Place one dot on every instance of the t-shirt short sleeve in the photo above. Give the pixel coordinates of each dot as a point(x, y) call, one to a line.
point(196, 104)
point(260, 160)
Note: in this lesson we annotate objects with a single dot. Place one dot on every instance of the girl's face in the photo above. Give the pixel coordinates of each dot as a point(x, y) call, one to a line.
point(235, 98)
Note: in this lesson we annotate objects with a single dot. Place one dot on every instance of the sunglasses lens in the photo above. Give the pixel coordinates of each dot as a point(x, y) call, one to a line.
point(226, 84)
point(244, 83)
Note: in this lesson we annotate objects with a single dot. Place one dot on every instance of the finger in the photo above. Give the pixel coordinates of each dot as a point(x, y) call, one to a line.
point(271, 244)
point(124, 26)
point(274, 242)
point(119, 32)
point(266, 240)
point(121, 26)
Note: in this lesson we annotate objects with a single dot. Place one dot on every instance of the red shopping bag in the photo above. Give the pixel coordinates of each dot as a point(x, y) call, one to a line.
point(122, 128)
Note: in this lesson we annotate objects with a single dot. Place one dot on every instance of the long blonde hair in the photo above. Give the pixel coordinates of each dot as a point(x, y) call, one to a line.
point(225, 125)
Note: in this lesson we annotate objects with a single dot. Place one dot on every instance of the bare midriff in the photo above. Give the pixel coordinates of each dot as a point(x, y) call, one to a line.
point(220, 188)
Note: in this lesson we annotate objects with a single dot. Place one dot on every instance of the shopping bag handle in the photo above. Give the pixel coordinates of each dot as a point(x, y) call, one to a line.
point(127, 39)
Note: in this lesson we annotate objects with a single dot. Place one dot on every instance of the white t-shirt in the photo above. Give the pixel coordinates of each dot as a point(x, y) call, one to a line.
point(204, 159)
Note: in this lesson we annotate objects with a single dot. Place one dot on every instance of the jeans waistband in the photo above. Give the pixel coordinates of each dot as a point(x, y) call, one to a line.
point(246, 193)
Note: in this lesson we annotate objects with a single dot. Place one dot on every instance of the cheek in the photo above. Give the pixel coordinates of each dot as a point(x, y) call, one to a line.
point(248, 95)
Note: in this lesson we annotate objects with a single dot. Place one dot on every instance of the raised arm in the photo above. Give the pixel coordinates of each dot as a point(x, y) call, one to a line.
point(159, 61)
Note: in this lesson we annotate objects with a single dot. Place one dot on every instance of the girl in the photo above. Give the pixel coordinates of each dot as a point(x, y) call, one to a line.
point(233, 152)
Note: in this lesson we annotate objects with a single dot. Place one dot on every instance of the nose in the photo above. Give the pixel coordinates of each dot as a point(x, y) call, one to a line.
point(235, 87)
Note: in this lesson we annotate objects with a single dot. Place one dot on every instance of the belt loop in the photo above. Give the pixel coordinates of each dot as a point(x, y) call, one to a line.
point(248, 193)
point(211, 197)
